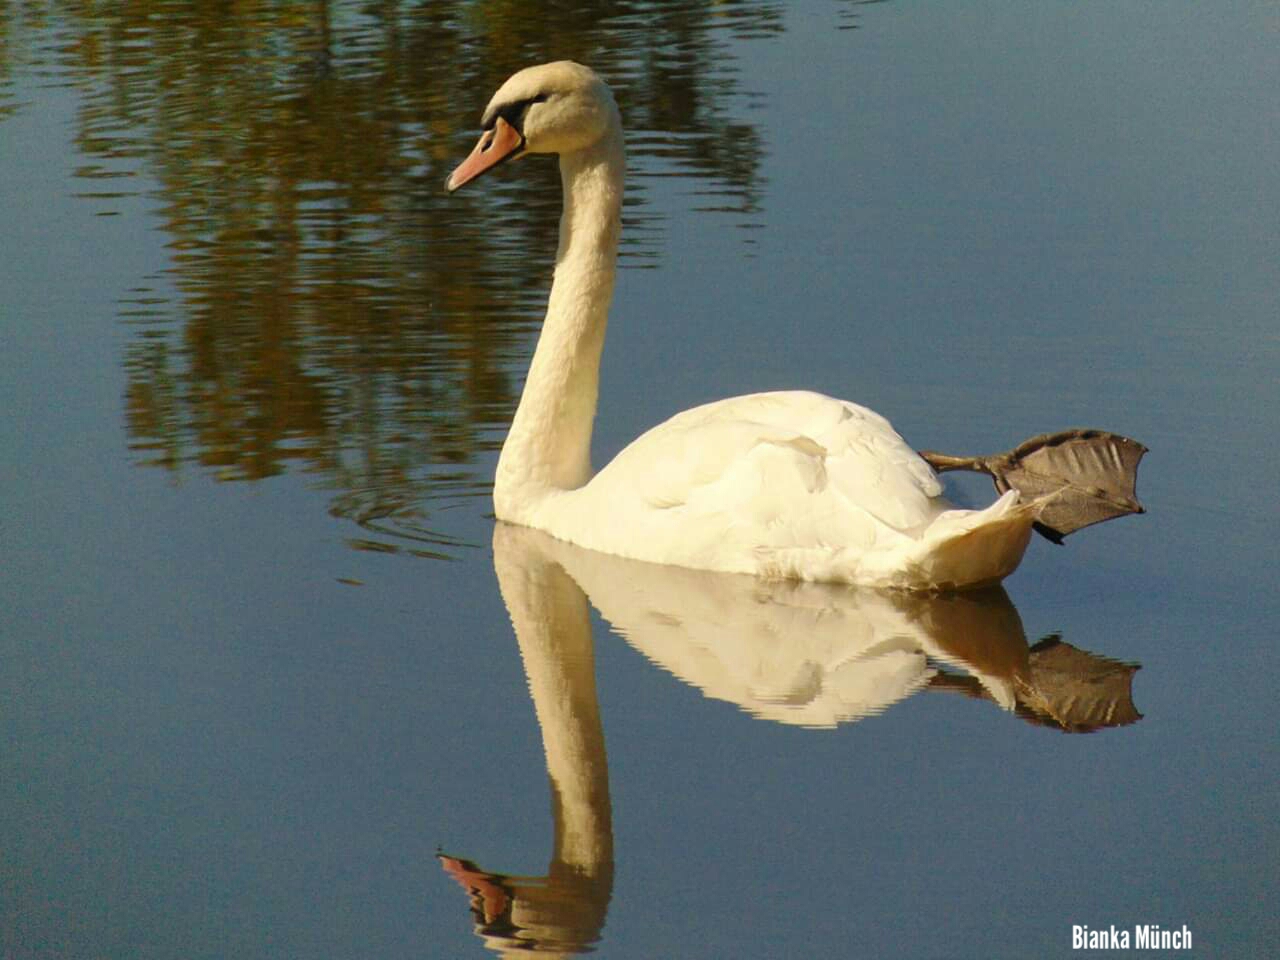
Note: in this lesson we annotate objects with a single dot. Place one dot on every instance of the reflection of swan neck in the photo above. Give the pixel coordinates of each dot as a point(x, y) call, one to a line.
point(548, 446)
point(551, 621)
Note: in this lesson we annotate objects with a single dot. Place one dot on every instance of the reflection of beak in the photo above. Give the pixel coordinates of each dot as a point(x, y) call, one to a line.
point(501, 143)
point(486, 889)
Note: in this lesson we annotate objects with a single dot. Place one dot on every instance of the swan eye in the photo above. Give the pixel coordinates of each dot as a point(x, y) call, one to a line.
point(514, 113)
point(524, 110)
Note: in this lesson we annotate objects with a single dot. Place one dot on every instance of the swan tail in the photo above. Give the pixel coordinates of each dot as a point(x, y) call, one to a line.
point(958, 550)
point(965, 549)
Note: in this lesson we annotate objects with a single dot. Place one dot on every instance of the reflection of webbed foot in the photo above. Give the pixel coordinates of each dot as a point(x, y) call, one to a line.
point(1063, 687)
point(1077, 691)
point(1082, 476)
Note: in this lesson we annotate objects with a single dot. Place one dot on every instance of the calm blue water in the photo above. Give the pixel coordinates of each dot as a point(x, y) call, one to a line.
point(257, 668)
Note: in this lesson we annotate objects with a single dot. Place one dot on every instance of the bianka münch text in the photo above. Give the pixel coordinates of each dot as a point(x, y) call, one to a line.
point(1142, 937)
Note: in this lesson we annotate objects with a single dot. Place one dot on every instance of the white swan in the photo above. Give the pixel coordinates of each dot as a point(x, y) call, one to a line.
point(780, 485)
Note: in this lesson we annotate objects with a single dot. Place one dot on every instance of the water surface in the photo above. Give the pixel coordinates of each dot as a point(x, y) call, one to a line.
point(260, 669)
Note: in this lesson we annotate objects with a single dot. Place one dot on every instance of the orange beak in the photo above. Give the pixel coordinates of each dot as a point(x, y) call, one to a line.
point(500, 143)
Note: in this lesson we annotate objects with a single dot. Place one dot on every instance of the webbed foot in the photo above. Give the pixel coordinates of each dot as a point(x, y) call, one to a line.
point(1083, 476)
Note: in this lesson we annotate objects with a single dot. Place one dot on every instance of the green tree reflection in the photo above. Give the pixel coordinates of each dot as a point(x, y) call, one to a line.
point(327, 308)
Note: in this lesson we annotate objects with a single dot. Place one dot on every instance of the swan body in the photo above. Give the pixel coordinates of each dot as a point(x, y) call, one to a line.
point(780, 485)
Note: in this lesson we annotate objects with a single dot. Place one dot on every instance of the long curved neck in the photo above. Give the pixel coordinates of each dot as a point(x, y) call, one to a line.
point(549, 445)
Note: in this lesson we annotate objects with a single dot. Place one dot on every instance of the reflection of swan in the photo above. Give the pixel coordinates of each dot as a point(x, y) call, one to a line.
point(799, 653)
point(795, 485)
point(564, 910)
point(818, 654)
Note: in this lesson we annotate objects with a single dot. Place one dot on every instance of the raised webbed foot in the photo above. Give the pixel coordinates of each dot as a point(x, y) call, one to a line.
point(1082, 476)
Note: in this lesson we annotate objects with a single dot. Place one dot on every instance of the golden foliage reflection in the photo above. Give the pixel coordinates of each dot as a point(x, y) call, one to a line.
point(325, 306)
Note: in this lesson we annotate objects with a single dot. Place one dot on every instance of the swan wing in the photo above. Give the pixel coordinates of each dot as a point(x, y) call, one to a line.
point(784, 454)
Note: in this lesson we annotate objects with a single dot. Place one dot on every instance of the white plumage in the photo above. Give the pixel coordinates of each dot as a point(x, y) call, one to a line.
point(787, 484)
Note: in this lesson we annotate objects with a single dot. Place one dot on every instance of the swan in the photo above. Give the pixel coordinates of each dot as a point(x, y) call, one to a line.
point(780, 485)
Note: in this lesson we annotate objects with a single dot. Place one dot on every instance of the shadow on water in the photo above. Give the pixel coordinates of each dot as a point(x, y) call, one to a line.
point(805, 654)
point(325, 307)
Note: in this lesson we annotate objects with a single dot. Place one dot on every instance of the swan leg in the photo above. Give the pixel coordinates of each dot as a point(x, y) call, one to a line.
point(1083, 476)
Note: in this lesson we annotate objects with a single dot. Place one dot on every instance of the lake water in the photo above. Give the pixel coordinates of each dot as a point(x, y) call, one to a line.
point(274, 686)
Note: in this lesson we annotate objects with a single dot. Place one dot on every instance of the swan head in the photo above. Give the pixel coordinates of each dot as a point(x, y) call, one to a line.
point(560, 107)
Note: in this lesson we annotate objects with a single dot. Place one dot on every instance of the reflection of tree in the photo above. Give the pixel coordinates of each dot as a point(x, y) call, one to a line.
point(335, 310)
point(16, 31)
